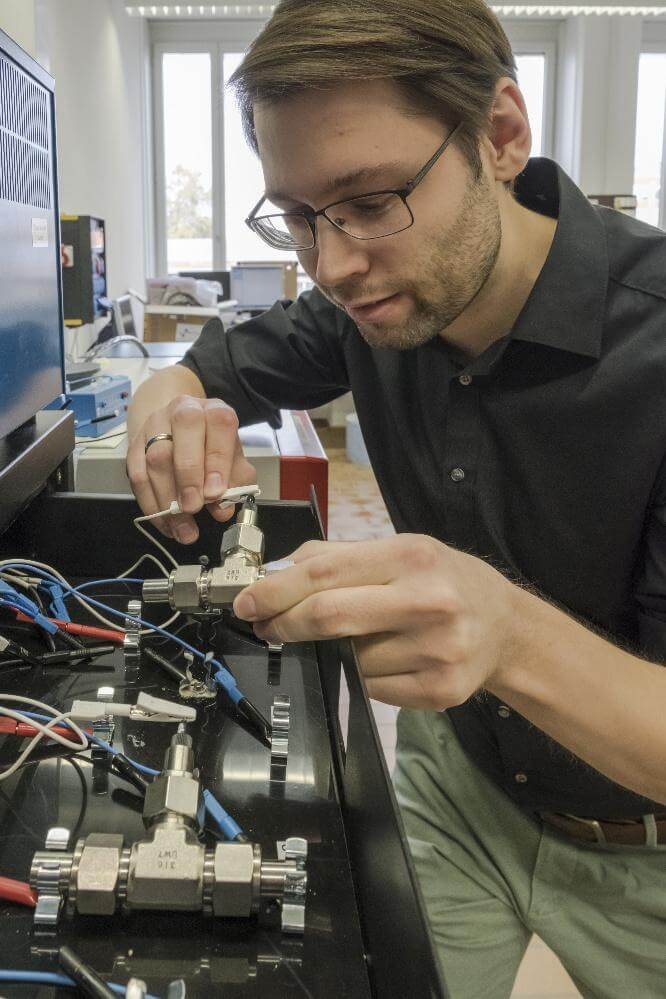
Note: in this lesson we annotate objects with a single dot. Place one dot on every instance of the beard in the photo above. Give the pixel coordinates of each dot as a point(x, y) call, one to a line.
point(451, 271)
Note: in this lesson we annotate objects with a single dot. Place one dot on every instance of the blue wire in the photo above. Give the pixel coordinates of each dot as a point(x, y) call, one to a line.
point(224, 677)
point(214, 809)
point(50, 978)
point(229, 826)
point(8, 603)
point(99, 742)
point(114, 752)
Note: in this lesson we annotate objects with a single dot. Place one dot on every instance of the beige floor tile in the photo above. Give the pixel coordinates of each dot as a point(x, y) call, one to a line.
point(542, 976)
point(387, 736)
point(384, 713)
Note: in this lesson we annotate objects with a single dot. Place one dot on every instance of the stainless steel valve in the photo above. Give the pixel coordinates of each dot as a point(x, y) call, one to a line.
point(196, 589)
point(169, 869)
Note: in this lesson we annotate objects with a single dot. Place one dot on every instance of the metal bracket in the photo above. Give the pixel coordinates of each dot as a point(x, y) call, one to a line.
point(280, 722)
point(136, 988)
point(103, 728)
point(274, 665)
point(177, 989)
point(192, 689)
point(295, 887)
point(49, 899)
point(132, 641)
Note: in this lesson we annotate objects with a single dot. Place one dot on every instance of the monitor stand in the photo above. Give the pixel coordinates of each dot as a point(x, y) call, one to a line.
point(29, 456)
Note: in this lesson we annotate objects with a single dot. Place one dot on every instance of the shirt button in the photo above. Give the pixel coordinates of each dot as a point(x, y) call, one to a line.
point(520, 778)
point(503, 711)
point(457, 474)
point(465, 379)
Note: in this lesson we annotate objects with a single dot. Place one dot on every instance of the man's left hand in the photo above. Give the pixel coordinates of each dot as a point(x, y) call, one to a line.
point(430, 625)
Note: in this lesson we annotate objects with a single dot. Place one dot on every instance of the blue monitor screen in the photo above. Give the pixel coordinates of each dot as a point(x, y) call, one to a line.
point(31, 346)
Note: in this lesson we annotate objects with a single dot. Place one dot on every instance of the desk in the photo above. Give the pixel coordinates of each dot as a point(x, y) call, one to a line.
point(288, 461)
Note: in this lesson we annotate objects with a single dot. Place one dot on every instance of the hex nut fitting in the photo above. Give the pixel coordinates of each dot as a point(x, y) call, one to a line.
point(185, 592)
point(246, 537)
point(98, 874)
point(233, 888)
point(179, 793)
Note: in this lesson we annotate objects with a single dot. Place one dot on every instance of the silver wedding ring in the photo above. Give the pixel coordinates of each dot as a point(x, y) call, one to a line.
point(156, 437)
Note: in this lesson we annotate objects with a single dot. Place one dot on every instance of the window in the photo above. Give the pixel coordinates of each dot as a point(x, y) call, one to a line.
point(532, 82)
point(186, 89)
point(649, 166)
point(535, 43)
point(243, 181)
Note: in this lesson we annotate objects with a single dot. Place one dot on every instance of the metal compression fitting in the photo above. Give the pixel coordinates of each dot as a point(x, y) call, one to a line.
point(168, 870)
point(196, 589)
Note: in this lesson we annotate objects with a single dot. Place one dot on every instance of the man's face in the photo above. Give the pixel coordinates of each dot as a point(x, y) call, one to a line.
point(400, 290)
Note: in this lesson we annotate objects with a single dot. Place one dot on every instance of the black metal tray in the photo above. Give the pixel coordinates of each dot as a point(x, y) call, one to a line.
point(366, 933)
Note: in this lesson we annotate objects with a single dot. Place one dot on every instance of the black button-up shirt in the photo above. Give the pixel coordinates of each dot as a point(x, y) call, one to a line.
point(545, 455)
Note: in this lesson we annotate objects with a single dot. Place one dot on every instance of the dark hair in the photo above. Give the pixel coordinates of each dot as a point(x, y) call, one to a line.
point(446, 57)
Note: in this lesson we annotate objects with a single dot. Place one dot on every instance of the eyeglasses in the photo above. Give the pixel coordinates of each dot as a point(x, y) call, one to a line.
point(369, 216)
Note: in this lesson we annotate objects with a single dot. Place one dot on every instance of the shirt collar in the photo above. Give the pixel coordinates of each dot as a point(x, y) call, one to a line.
point(566, 307)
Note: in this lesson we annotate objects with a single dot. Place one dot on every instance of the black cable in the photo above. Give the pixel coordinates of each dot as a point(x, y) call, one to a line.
point(166, 665)
point(45, 635)
point(71, 640)
point(122, 767)
point(253, 716)
point(88, 981)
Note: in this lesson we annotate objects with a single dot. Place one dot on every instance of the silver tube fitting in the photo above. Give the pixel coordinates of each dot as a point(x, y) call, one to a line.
point(157, 591)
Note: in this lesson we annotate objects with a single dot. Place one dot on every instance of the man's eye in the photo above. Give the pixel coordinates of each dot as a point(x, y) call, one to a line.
point(372, 204)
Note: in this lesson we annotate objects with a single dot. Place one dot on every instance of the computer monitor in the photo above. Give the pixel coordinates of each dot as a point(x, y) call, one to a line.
point(31, 325)
point(124, 316)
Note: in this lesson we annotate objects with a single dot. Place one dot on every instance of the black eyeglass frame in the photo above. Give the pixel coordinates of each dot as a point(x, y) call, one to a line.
point(311, 216)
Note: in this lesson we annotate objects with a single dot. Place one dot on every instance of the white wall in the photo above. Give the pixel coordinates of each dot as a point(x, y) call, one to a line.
point(17, 18)
point(97, 55)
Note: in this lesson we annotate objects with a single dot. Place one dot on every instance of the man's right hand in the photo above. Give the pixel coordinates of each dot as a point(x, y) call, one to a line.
point(204, 459)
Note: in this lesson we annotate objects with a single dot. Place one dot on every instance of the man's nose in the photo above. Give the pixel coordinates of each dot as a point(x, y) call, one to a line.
point(339, 256)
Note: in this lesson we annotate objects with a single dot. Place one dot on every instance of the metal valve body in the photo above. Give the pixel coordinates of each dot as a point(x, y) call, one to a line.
point(195, 589)
point(168, 870)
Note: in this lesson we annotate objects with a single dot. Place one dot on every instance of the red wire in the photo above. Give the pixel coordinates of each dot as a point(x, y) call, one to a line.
point(85, 630)
point(17, 891)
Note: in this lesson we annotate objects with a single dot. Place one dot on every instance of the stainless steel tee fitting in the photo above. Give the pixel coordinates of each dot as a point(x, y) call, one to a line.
point(168, 870)
point(196, 589)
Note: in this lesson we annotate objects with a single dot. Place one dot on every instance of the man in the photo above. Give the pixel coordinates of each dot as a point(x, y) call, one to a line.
point(504, 344)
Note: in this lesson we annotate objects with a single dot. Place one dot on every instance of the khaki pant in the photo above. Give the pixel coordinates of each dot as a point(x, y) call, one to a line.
point(491, 876)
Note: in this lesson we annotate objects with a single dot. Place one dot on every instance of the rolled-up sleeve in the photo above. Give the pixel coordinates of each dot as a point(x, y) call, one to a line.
point(291, 357)
point(651, 588)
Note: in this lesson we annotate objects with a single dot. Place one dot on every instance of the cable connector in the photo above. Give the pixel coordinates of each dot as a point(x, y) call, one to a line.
point(57, 599)
point(18, 601)
point(229, 498)
point(146, 709)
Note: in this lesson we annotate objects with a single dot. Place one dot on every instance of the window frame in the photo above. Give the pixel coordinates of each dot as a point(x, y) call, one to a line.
point(217, 145)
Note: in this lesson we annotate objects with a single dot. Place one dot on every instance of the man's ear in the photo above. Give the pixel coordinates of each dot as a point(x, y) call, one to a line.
point(510, 136)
